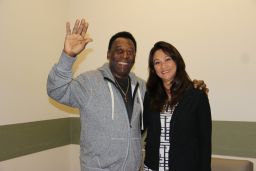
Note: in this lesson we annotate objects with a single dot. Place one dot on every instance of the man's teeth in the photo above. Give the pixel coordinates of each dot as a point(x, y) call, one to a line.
point(123, 63)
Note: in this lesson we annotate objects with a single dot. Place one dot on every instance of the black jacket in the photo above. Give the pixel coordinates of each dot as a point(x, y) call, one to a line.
point(190, 134)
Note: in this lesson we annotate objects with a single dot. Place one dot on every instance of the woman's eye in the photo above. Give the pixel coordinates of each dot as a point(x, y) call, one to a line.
point(168, 59)
point(156, 63)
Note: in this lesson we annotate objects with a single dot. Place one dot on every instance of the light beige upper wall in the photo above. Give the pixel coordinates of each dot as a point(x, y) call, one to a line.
point(31, 39)
point(216, 38)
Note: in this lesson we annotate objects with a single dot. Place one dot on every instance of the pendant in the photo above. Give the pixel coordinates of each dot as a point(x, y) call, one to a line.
point(125, 99)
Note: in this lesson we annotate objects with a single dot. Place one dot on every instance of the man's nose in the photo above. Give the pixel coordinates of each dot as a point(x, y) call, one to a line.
point(126, 54)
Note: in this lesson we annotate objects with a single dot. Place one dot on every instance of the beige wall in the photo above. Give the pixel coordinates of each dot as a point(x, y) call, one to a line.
point(216, 38)
point(31, 40)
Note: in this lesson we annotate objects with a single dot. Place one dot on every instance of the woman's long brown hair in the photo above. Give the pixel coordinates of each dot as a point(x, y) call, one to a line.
point(180, 83)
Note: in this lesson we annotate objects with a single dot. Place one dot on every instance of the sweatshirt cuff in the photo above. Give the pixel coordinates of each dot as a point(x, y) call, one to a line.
point(65, 62)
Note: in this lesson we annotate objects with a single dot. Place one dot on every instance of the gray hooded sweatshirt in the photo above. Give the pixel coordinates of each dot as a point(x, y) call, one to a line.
point(108, 140)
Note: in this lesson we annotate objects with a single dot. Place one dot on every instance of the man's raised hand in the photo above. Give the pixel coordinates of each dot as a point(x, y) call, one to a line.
point(76, 41)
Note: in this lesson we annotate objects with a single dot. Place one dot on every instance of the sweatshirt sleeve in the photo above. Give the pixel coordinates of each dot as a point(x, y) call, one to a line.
point(60, 84)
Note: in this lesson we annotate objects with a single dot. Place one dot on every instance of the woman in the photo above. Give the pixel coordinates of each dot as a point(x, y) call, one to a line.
point(176, 115)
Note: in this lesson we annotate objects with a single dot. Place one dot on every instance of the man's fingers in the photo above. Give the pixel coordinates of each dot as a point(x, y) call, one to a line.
point(195, 82)
point(87, 40)
point(68, 30)
point(84, 29)
point(207, 90)
point(200, 82)
point(81, 26)
point(75, 28)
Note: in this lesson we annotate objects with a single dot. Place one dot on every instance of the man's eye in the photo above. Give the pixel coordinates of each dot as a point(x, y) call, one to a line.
point(119, 51)
point(130, 52)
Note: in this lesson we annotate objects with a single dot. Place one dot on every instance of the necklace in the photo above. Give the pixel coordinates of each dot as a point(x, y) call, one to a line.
point(122, 91)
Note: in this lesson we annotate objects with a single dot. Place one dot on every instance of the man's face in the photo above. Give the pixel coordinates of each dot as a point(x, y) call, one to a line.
point(121, 57)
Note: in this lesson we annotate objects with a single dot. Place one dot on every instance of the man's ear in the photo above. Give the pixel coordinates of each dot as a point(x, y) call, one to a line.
point(108, 55)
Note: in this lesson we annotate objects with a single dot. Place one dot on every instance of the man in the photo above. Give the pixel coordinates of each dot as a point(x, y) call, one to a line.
point(110, 100)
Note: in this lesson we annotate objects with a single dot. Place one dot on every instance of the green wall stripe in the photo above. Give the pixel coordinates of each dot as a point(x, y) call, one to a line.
point(26, 138)
point(75, 130)
point(228, 138)
point(234, 138)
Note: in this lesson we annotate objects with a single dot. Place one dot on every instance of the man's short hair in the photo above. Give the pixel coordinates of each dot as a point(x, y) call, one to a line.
point(123, 34)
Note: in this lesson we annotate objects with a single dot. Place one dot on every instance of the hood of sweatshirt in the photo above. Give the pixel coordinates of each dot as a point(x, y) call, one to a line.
point(107, 74)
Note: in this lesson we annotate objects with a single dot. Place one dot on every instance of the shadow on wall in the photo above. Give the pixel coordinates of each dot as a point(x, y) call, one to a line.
point(81, 58)
point(63, 107)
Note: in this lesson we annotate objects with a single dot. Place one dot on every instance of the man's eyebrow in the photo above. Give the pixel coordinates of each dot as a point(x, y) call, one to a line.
point(119, 46)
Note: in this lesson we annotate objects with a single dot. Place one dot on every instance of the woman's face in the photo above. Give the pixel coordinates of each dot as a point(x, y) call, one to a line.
point(164, 66)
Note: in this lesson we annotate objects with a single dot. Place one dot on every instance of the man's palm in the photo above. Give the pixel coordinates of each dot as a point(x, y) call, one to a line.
point(76, 41)
point(74, 44)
